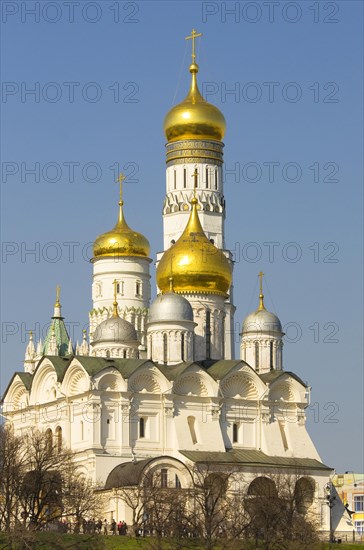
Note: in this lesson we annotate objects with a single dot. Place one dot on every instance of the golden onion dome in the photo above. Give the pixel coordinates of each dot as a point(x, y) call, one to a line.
point(121, 241)
point(194, 118)
point(194, 263)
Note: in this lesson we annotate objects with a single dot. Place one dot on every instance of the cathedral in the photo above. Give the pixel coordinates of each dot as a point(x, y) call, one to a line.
point(155, 385)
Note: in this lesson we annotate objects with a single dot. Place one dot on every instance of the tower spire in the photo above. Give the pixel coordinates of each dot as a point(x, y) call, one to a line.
point(57, 305)
point(193, 37)
point(261, 295)
point(120, 179)
point(115, 312)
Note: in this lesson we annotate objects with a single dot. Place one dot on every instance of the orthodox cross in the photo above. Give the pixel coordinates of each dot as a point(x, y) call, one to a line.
point(260, 275)
point(120, 179)
point(193, 37)
point(58, 294)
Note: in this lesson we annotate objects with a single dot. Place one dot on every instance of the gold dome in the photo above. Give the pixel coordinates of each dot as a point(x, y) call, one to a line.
point(121, 241)
point(194, 263)
point(194, 118)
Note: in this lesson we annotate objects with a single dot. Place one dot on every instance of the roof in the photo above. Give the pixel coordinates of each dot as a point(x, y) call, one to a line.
point(127, 474)
point(61, 336)
point(251, 457)
point(272, 376)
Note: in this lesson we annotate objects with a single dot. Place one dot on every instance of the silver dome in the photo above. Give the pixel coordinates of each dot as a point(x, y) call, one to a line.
point(261, 320)
point(115, 329)
point(170, 307)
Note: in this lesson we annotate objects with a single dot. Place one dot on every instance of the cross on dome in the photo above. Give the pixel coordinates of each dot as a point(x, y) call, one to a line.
point(193, 37)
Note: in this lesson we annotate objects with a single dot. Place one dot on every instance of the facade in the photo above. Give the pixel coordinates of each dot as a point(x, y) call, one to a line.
point(349, 488)
point(156, 385)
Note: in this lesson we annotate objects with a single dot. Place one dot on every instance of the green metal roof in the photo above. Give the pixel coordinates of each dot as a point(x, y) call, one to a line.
point(221, 368)
point(252, 457)
point(61, 335)
point(269, 377)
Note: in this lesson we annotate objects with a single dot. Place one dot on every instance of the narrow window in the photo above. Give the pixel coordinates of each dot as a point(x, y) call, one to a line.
point(182, 347)
point(118, 288)
point(124, 354)
point(191, 424)
point(142, 427)
point(184, 178)
point(164, 477)
point(165, 348)
point(271, 355)
point(177, 482)
point(283, 435)
point(174, 179)
point(82, 431)
point(59, 437)
point(207, 178)
point(216, 180)
point(151, 348)
point(49, 439)
point(137, 288)
point(107, 353)
point(256, 356)
point(235, 433)
point(208, 334)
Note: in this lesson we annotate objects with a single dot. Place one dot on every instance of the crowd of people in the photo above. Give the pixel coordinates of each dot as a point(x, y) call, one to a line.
point(93, 526)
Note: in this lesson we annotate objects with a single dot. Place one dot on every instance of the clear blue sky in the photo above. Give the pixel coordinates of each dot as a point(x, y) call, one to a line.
point(102, 91)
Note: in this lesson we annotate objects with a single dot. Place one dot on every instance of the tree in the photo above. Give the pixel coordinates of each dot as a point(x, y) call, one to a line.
point(278, 509)
point(12, 468)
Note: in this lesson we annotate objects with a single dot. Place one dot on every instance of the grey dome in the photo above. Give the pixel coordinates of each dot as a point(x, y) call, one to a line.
point(261, 320)
point(115, 329)
point(170, 307)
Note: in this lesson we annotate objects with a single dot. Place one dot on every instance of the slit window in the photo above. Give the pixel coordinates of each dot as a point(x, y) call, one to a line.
point(142, 425)
point(191, 424)
point(138, 288)
point(271, 355)
point(182, 347)
point(215, 179)
point(165, 348)
point(174, 179)
point(208, 334)
point(184, 178)
point(177, 482)
point(256, 356)
point(235, 433)
point(207, 178)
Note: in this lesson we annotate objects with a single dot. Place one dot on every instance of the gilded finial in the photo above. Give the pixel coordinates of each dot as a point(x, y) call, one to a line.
point(195, 176)
point(193, 37)
point(120, 179)
point(58, 296)
point(115, 312)
point(261, 295)
point(171, 284)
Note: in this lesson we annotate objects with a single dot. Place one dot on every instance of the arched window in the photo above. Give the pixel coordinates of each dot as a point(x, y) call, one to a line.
point(208, 334)
point(142, 424)
point(182, 347)
point(59, 437)
point(256, 356)
point(191, 424)
point(271, 355)
point(49, 439)
point(165, 348)
point(164, 477)
point(235, 433)
point(262, 487)
point(138, 288)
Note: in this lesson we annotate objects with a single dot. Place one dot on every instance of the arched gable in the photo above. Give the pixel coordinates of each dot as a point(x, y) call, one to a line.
point(44, 386)
point(76, 380)
point(242, 382)
point(286, 388)
point(17, 395)
point(147, 379)
point(195, 381)
point(110, 379)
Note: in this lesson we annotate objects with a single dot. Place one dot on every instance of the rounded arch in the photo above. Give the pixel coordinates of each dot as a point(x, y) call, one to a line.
point(304, 493)
point(283, 391)
point(110, 381)
point(262, 487)
point(76, 380)
point(17, 398)
point(240, 384)
point(44, 386)
point(144, 382)
point(191, 384)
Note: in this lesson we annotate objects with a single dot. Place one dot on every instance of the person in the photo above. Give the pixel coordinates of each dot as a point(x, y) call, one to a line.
point(113, 527)
point(105, 526)
point(120, 525)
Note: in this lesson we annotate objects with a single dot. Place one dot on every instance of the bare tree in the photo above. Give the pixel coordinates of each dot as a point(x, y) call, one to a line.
point(11, 472)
